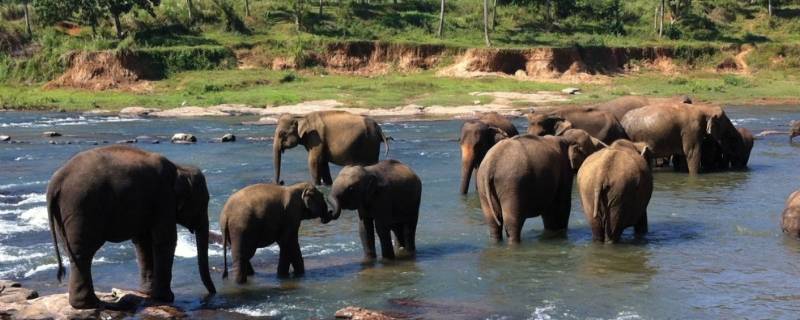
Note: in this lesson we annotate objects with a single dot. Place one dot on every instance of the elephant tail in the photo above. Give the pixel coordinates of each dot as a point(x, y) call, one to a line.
point(56, 222)
point(492, 200)
point(225, 240)
point(601, 209)
point(385, 139)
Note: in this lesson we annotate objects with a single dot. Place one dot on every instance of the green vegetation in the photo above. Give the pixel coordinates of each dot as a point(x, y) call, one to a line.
point(191, 43)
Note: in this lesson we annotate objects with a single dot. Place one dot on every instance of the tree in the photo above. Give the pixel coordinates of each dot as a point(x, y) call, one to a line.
point(120, 7)
point(486, 23)
point(246, 8)
point(27, 17)
point(441, 21)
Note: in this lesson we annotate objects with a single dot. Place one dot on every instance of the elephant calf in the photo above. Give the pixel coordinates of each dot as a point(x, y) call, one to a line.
point(387, 196)
point(528, 176)
point(615, 186)
point(790, 220)
point(262, 214)
point(477, 137)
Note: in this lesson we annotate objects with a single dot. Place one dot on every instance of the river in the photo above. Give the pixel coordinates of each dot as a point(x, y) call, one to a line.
point(715, 248)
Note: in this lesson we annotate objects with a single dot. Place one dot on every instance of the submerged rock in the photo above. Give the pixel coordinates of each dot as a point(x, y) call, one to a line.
point(228, 138)
point(147, 139)
point(183, 138)
point(357, 313)
point(138, 111)
point(51, 134)
point(5, 138)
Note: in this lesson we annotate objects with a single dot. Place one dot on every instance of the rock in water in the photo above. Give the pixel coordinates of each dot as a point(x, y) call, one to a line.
point(147, 139)
point(51, 134)
point(184, 138)
point(5, 138)
point(228, 138)
point(356, 313)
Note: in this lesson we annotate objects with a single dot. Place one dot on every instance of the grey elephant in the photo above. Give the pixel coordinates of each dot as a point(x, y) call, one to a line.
point(529, 176)
point(679, 129)
point(339, 137)
point(119, 193)
point(262, 214)
point(387, 196)
point(616, 184)
point(620, 106)
point(598, 123)
point(477, 137)
point(790, 218)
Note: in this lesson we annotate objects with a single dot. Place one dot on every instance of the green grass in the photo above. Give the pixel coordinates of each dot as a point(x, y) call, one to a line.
point(269, 88)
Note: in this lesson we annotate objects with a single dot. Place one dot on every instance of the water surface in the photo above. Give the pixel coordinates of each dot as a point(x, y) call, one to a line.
point(714, 249)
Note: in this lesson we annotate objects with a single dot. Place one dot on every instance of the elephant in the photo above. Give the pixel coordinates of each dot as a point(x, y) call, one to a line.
point(387, 196)
point(527, 176)
point(620, 106)
point(615, 185)
point(679, 129)
point(117, 193)
point(329, 136)
point(795, 129)
point(262, 214)
point(790, 218)
point(477, 137)
point(598, 123)
point(742, 149)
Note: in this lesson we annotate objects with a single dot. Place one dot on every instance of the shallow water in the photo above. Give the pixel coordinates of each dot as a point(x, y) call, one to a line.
point(714, 249)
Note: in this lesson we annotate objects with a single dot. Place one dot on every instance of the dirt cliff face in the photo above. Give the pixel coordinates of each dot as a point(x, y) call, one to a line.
point(370, 58)
point(105, 70)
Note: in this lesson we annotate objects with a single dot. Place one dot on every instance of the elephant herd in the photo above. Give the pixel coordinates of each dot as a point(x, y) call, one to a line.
point(119, 193)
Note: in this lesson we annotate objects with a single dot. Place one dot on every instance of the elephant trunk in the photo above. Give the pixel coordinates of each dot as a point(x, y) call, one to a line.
point(201, 237)
point(277, 150)
point(467, 164)
point(336, 209)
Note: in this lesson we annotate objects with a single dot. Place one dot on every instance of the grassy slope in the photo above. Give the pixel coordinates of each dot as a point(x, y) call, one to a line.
point(273, 33)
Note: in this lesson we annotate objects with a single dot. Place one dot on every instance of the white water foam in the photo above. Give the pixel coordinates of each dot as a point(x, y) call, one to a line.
point(24, 184)
point(34, 219)
point(30, 198)
point(186, 247)
point(256, 312)
point(19, 255)
point(68, 121)
point(53, 266)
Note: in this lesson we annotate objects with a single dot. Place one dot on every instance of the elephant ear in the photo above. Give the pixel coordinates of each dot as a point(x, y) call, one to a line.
point(576, 156)
point(303, 127)
point(561, 127)
point(311, 123)
point(598, 145)
point(644, 150)
point(497, 134)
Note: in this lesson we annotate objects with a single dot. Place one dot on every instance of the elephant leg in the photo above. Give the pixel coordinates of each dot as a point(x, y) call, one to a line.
point(81, 287)
point(409, 230)
point(495, 229)
point(366, 229)
point(325, 173)
point(297, 259)
point(164, 241)
point(385, 236)
point(249, 270)
point(240, 263)
point(315, 164)
point(557, 218)
point(693, 154)
point(397, 230)
point(640, 229)
point(144, 256)
point(513, 229)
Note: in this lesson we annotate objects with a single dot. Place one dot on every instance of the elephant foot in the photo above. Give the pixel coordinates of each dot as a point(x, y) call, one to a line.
point(88, 302)
point(284, 275)
point(165, 296)
point(369, 260)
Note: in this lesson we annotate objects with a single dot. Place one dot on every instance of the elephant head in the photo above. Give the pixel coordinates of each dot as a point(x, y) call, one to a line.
point(314, 205)
point(580, 146)
point(742, 145)
point(192, 212)
point(795, 129)
point(288, 134)
point(352, 188)
point(543, 124)
point(639, 147)
point(476, 140)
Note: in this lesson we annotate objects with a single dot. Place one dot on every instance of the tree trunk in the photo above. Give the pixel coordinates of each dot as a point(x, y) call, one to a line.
point(486, 23)
point(117, 25)
point(441, 21)
point(320, 7)
point(769, 8)
point(661, 20)
point(190, 6)
point(494, 15)
point(246, 8)
point(27, 18)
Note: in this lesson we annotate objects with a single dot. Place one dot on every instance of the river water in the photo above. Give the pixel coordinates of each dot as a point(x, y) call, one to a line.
point(715, 249)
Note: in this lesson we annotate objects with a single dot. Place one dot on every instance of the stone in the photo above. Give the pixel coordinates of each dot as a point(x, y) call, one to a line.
point(228, 138)
point(147, 139)
point(571, 90)
point(520, 73)
point(357, 313)
point(137, 111)
point(5, 138)
point(51, 134)
point(126, 141)
point(183, 138)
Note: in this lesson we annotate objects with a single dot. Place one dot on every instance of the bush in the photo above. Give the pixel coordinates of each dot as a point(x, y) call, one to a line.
point(169, 60)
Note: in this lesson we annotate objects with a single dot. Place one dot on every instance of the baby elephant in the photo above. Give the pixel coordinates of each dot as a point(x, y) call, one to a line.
point(387, 197)
point(790, 222)
point(615, 185)
point(262, 214)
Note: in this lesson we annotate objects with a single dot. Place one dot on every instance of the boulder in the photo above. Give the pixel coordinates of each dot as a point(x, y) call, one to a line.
point(137, 111)
point(51, 134)
point(183, 138)
point(5, 138)
point(357, 313)
point(228, 138)
point(571, 90)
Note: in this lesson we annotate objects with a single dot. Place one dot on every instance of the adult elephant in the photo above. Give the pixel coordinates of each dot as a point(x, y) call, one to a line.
point(620, 106)
point(679, 129)
point(329, 136)
point(119, 193)
point(598, 123)
point(528, 176)
point(477, 137)
point(387, 196)
point(616, 184)
point(262, 214)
